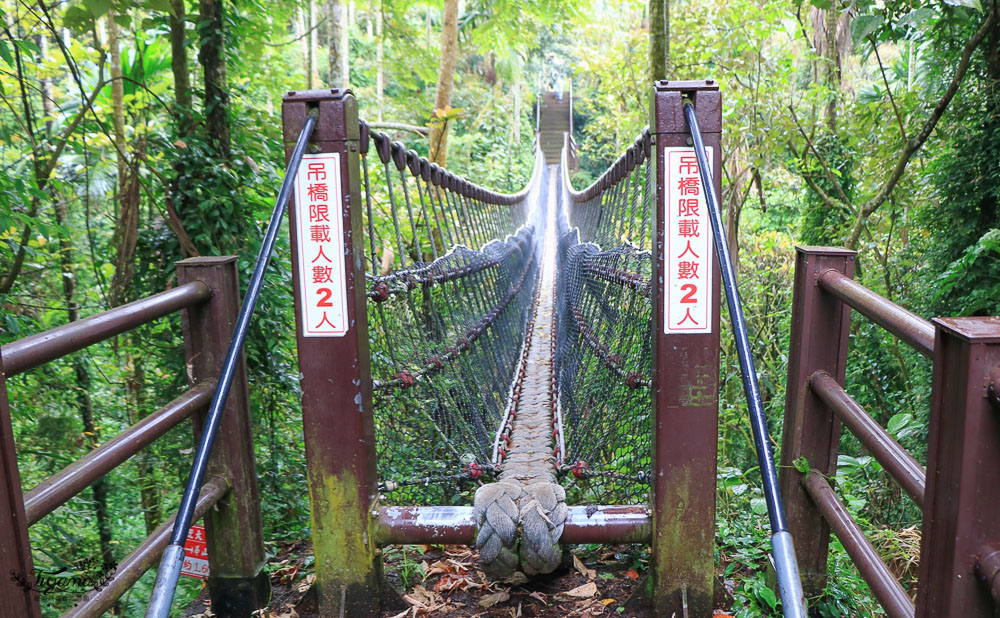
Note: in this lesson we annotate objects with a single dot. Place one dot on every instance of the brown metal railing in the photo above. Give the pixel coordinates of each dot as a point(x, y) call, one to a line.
point(208, 295)
point(961, 531)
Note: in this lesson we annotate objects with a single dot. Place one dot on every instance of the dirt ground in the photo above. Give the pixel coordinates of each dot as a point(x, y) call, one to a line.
point(430, 580)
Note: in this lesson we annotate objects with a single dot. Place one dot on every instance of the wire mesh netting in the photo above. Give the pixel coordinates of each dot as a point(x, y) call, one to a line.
point(451, 273)
point(603, 350)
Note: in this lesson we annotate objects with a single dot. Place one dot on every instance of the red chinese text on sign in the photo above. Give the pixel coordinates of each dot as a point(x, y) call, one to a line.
point(688, 245)
point(195, 554)
point(320, 233)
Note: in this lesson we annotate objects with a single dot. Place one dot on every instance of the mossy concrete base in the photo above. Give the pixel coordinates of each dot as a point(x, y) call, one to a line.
point(239, 597)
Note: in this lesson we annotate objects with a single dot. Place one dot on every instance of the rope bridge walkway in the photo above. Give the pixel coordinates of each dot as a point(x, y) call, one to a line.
point(521, 371)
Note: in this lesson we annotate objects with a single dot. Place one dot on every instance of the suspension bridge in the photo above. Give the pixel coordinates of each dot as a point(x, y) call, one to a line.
point(553, 351)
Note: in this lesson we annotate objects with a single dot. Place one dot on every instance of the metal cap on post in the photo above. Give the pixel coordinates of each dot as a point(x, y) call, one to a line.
point(332, 334)
point(686, 373)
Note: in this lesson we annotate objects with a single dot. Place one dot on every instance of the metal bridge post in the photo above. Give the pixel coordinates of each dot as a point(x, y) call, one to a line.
point(819, 340)
point(961, 518)
point(16, 574)
point(237, 583)
point(686, 387)
point(337, 417)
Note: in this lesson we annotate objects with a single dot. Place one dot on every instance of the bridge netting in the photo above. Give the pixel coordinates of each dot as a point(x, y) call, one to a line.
point(451, 273)
point(603, 351)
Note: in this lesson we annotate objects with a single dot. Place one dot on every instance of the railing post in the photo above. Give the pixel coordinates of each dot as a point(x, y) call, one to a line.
point(16, 574)
point(686, 382)
point(962, 504)
point(819, 340)
point(238, 584)
point(336, 376)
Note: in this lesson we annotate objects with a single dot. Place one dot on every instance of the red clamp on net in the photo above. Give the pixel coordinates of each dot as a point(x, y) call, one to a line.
point(434, 361)
point(635, 379)
point(380, 293)
point(406, 379)
point(579, 469)
point(473, 470)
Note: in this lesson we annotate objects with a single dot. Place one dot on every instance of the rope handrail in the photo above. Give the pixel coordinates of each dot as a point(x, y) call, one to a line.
point(433, 173)
point(633, 156)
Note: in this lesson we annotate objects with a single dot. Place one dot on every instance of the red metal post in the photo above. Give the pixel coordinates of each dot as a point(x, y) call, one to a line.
point(336, 380)
point(962, 507)
point(686, 387)
point(819, 339)
point(16, 576)
point(238, 583)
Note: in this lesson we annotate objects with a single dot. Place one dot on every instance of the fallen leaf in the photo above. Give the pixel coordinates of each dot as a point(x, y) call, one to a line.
point(516, 579)
point(582, 568)
point(493, 599)
point(580, 592)
point(632, 574)
point(387, 258)
point(539, 597)
point(606, 602)
point(402, 614)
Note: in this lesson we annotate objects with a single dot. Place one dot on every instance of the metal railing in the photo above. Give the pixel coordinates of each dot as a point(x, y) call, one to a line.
point(173, 557)
point(205, 298)
point(959, 571)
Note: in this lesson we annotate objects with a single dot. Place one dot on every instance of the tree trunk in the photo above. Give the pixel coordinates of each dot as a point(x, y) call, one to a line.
point(82, 375)
point(179, 66)
point(828, 32)
point(335, 18)
point(446, 80)
point(213, 61)
point(310, 41)
point(379, 61)
point(659, 39)
point(345, 49)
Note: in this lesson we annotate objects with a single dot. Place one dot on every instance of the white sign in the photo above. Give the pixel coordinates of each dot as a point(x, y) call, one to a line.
point(687, 302)
point(322, 273)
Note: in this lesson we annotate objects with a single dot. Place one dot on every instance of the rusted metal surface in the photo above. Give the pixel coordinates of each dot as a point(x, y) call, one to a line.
point(915, 331)
point(993, 389)
point(24, 354)
point(685, 383)
point(988, 569)
point(910, 475)
point(15, 548)
point(818, 342)
point(883, 583)
point(54, 491)
point(337, 416)
point(95, 603)
point(963, 495)
point(238, 584)
point(456, 525)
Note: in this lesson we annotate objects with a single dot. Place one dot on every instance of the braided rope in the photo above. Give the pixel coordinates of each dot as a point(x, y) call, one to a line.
point(496, 508)
point(520, 518)
point(543, 513)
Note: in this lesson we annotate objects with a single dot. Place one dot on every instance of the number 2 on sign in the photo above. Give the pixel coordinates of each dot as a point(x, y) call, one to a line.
point(326, 293)
point(690, 290)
